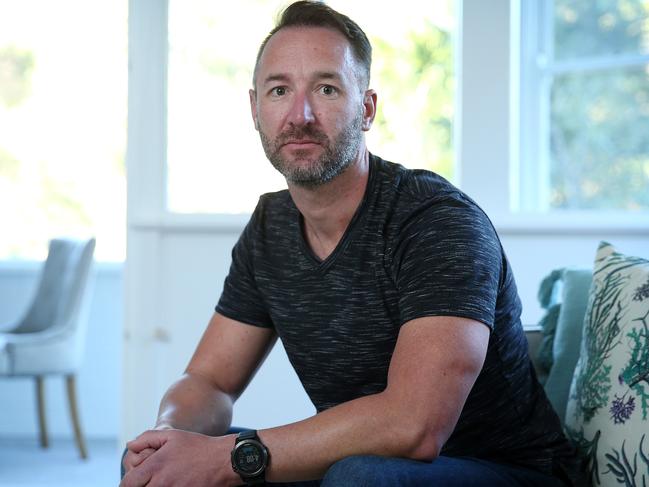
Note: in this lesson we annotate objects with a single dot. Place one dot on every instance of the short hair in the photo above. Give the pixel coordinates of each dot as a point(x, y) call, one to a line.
point(310, 13)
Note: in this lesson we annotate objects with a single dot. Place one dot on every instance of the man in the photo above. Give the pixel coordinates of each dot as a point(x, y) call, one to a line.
point(390, 292)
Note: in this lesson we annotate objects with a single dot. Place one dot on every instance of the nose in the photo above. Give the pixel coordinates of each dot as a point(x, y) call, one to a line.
point(301, 112)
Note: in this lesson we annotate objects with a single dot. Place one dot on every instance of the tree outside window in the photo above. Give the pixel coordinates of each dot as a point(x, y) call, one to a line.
point(63, 83)
point(594, 63)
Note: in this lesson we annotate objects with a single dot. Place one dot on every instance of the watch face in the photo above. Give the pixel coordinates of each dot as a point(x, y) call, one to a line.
point(249, 457)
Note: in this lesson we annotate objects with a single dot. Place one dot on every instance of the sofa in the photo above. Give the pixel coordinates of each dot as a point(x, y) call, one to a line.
point(555, 342)
point(591, 353)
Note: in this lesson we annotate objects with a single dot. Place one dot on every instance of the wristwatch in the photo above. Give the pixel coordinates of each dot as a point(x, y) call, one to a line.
point(250, 458)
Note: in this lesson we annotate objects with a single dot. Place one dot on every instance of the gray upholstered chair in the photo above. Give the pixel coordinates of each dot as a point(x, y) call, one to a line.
point(50, 338)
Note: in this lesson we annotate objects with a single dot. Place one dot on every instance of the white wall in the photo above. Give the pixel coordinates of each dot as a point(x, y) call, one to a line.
point(193, 286)
point(533, 256)
point(98, 382)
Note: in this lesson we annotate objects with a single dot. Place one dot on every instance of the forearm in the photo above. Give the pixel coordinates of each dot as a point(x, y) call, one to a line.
point(299, 451)
point(413, 417)
point(371, 425)
point(194, 404)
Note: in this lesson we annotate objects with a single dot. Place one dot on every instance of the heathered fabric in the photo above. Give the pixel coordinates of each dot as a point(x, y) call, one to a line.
point(417, 246)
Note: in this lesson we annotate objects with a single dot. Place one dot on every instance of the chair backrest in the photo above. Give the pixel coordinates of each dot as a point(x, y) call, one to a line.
point(62, 285)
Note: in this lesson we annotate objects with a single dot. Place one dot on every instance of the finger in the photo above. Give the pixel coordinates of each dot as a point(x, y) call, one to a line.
point(143, 455)
point(127, 460)
point(136, 477)
point(148, 439)
point(131, 460)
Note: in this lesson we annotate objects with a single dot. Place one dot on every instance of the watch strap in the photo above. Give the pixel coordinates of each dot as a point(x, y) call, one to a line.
point(251, 435)
point(247, 435)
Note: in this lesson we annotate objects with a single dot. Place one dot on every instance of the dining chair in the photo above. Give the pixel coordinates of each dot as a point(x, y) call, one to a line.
point(50, 338)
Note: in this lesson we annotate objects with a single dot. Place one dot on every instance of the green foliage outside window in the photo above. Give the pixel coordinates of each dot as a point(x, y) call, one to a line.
point(412, 73)
point(599, 149)
point(62, 125)
point(420, 75)
point(16, 66)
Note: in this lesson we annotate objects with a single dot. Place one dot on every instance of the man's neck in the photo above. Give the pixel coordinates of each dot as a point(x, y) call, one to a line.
point(328, 209)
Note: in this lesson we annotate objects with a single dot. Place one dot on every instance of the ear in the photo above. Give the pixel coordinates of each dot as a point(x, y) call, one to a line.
point(369, 109)
point(253, 107)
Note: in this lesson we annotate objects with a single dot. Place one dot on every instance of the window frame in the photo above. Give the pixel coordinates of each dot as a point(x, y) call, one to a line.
point(537, 68)
point(491, 130)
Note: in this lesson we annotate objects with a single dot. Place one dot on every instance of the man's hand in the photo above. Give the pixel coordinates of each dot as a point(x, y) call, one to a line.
point(201, 401)
point(179, 458)
point(132, 459)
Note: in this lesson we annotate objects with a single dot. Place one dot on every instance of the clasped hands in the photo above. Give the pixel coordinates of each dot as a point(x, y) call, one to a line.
point(176, 458)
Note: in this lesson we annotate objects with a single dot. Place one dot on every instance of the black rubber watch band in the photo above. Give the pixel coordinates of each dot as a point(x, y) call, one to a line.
point(247, 435)
point(247, 445)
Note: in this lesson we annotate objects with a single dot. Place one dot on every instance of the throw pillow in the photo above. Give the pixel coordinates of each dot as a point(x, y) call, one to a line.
point(548, 296)
point(608, 409)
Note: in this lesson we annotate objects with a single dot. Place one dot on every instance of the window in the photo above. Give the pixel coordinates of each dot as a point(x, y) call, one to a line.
point(585, 105)
point(63, 82)
point(215, 163)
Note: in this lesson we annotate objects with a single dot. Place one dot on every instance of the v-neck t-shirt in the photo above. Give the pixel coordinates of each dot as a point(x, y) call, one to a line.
point(417, 246)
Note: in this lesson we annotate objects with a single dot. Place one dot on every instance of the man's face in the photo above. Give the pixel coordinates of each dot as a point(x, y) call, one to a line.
point(308, 104)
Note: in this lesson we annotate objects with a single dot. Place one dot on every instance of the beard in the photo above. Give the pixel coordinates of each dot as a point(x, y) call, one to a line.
point(336, 157)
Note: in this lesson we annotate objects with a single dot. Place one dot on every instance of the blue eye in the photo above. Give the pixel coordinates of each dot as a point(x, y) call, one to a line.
point(278, 91)
point(328, 90)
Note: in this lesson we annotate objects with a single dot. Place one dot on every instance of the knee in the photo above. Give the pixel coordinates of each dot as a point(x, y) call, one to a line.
point(355, 471)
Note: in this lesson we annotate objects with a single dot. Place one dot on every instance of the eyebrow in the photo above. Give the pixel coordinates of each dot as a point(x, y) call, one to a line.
point(275, 77)
point(319, 75)
point(327, 75)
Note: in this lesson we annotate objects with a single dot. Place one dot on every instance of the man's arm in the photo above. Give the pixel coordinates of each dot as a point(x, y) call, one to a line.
point(223, 364)
point(434, 366)
point(225, 360)
point(435, 363)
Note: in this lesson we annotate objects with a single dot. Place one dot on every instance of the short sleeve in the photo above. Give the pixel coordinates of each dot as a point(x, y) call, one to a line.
point(241, 299)
point(448, 262)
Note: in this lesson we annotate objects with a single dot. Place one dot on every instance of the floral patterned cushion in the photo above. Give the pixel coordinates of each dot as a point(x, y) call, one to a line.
point(608, 409)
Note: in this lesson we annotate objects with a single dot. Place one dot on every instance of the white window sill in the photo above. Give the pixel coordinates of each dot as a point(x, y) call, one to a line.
point(573, 223)
point(559, 223)
point(191, 223)
point(19, 267)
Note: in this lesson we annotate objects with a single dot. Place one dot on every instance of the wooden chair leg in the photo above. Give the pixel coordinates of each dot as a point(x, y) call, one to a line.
point(74, 415)
point(40, 400)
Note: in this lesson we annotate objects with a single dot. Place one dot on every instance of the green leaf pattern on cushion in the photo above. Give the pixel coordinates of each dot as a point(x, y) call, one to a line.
point(607, 416)
point(601, 332)
point(548, 326)
point(548, 296)
point(626, 471)
point(636, 372)
point(588, 451)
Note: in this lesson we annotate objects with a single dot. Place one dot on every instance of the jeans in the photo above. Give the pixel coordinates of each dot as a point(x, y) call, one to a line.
point(366, 471)
point(374, 471)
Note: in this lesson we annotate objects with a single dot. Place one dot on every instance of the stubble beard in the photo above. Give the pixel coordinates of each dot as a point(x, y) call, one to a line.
point(337, 156)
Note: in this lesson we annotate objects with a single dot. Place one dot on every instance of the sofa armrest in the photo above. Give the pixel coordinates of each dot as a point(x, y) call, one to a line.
point(534, 337)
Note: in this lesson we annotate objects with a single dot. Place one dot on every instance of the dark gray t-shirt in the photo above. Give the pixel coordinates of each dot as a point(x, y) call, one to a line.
point(417, 246)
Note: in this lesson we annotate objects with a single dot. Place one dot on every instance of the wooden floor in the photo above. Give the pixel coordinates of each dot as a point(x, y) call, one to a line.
point(23, 463)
